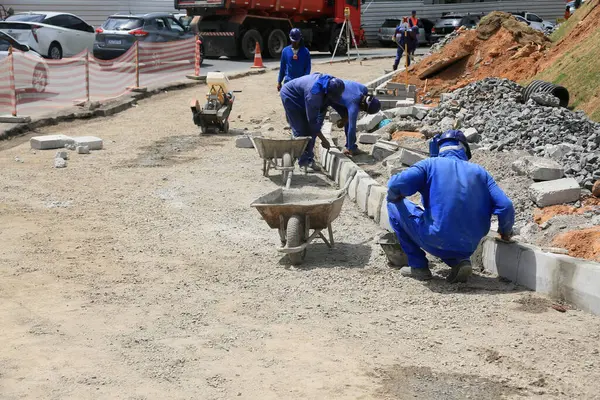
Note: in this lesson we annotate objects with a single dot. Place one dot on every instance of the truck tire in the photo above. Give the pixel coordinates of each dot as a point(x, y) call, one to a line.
point(341, 50)
point(249, 41)
point(276, 42)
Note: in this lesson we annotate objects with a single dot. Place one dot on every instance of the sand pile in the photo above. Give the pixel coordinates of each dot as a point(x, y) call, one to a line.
point(501, 46)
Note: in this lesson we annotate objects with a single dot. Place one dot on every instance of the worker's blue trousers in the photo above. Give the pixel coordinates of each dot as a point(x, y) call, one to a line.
point(399, 53)
point(406, 218)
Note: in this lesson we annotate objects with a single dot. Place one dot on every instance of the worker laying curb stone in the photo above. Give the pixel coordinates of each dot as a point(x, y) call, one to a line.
point(459, 199)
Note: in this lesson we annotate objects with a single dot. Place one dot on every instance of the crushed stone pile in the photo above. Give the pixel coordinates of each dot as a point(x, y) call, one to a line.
point(440, 44)
point(493, 108)
point(500, 46)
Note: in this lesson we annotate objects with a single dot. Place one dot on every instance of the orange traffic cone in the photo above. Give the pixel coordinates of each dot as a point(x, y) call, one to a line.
point(257, 58)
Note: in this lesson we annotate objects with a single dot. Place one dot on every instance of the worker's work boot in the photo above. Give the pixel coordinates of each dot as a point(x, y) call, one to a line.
point(354, 152)
point(460, 272)
point(420, 274)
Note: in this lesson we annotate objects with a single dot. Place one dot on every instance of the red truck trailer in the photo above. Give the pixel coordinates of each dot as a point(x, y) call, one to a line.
point(233, 27)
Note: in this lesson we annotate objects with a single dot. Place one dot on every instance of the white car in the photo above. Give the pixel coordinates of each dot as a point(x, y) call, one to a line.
point(53, 35)
point(31, 71)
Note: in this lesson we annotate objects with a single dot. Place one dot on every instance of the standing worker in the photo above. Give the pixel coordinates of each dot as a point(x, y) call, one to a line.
point(305, 101)
point(458, 198)
point(567, 13)
point(355, 98)
point(413, 24)
point(401, 39)
point(295, 60)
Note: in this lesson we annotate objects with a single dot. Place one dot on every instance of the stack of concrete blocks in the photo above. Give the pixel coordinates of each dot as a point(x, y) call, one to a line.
point(390, 93)
point(367, 193)
point(550, 187)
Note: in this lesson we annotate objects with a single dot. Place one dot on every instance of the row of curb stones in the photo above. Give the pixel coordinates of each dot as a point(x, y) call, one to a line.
point(369, 196)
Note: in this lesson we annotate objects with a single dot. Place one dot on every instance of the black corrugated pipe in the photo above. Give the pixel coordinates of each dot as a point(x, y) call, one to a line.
point(546, 87)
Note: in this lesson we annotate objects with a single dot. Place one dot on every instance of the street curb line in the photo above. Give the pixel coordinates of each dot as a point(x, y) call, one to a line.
point(564, 278)
point(122, 103)
point(110, 107)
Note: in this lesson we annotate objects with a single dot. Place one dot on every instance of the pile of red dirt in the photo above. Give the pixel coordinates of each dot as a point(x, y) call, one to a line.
point(501, 46)
point(584, 243)
point(542, 215)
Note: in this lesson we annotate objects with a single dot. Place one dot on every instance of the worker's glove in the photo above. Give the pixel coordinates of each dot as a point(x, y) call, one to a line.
point(342, 122)
point(393, 197)
point(278, 87)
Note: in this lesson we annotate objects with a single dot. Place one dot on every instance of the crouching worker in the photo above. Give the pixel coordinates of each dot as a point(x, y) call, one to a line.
point(355, 98)
point(305, 101)
point(458, 198)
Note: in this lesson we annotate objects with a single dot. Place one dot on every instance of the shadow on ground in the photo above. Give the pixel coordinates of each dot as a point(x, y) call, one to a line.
point(343, 255)
point(413, 382)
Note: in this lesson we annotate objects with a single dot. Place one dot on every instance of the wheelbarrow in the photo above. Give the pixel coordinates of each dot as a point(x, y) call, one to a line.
point(294, 213)
point(280, 154)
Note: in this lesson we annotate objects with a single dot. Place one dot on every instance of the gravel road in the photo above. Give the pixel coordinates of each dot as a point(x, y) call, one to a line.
point(141, 272)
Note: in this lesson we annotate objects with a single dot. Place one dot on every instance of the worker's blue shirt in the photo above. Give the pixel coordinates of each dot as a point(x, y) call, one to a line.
point(291, 68)
point(304, 103)
point(458, 198)
point(400, 35)
point(349, 104)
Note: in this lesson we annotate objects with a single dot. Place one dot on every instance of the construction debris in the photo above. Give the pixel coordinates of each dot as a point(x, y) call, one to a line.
point(492, 106)
point(559, 191)
point(538, 169)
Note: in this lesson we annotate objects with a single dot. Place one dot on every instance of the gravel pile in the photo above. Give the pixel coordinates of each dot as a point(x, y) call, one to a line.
point(493, 107)
point(443, 41)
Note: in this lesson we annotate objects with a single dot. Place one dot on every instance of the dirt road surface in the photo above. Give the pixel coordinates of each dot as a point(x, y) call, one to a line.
point(141, 272)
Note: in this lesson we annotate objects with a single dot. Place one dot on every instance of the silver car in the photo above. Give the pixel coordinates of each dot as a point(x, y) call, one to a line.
point(120, 32)
point(385, 34)
point(450, 22)
point(31, 72)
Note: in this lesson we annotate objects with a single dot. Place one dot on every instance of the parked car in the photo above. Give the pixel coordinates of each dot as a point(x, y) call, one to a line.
point(386, 32)
point(120, 32)
point(535, 21)
point(450, 22)
point(571, 6)
point(53, 35)
point(33, 72)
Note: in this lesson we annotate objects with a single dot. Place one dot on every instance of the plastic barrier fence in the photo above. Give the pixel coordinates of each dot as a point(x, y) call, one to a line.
point(39, 85)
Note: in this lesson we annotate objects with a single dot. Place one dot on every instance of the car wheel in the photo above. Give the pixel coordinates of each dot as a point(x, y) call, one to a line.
point(249, 41)
point(39, 81)
point(55, 51)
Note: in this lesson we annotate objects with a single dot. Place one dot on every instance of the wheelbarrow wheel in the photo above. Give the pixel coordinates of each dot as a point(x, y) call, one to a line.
point(287, 162)
point(295, 238)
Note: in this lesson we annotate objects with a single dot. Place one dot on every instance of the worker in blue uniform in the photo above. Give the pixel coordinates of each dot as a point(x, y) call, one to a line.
point(458, 199)
point(305, 101)
point(295, 60)
point(355, 98)
point(401, 39)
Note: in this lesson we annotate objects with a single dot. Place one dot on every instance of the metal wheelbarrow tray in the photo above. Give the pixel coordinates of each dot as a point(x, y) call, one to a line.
point(294, 213)
point(280, 154)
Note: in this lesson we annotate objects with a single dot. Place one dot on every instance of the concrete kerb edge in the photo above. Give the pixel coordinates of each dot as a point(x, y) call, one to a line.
point(575, 281)
point(111, 107)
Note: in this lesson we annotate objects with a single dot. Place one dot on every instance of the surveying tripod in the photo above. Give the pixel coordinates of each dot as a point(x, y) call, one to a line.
point(347, 30)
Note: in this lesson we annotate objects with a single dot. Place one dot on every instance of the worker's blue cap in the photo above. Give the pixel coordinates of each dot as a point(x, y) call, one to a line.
point(335, 88)
point(295, 35)
point(414, 11)
point(373, 105)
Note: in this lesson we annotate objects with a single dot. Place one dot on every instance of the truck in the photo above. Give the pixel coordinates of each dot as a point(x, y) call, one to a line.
point(233, 27)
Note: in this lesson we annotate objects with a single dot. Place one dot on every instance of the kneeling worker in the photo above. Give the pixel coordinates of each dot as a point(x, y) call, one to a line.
point(458, 198)
point(305, 101)
point(355, 98)
point(295, 60)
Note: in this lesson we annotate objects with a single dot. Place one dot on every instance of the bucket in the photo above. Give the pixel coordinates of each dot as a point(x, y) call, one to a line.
point(393, 251)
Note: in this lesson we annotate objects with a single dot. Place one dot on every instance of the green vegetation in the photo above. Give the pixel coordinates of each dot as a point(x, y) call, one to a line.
point(578, 68)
